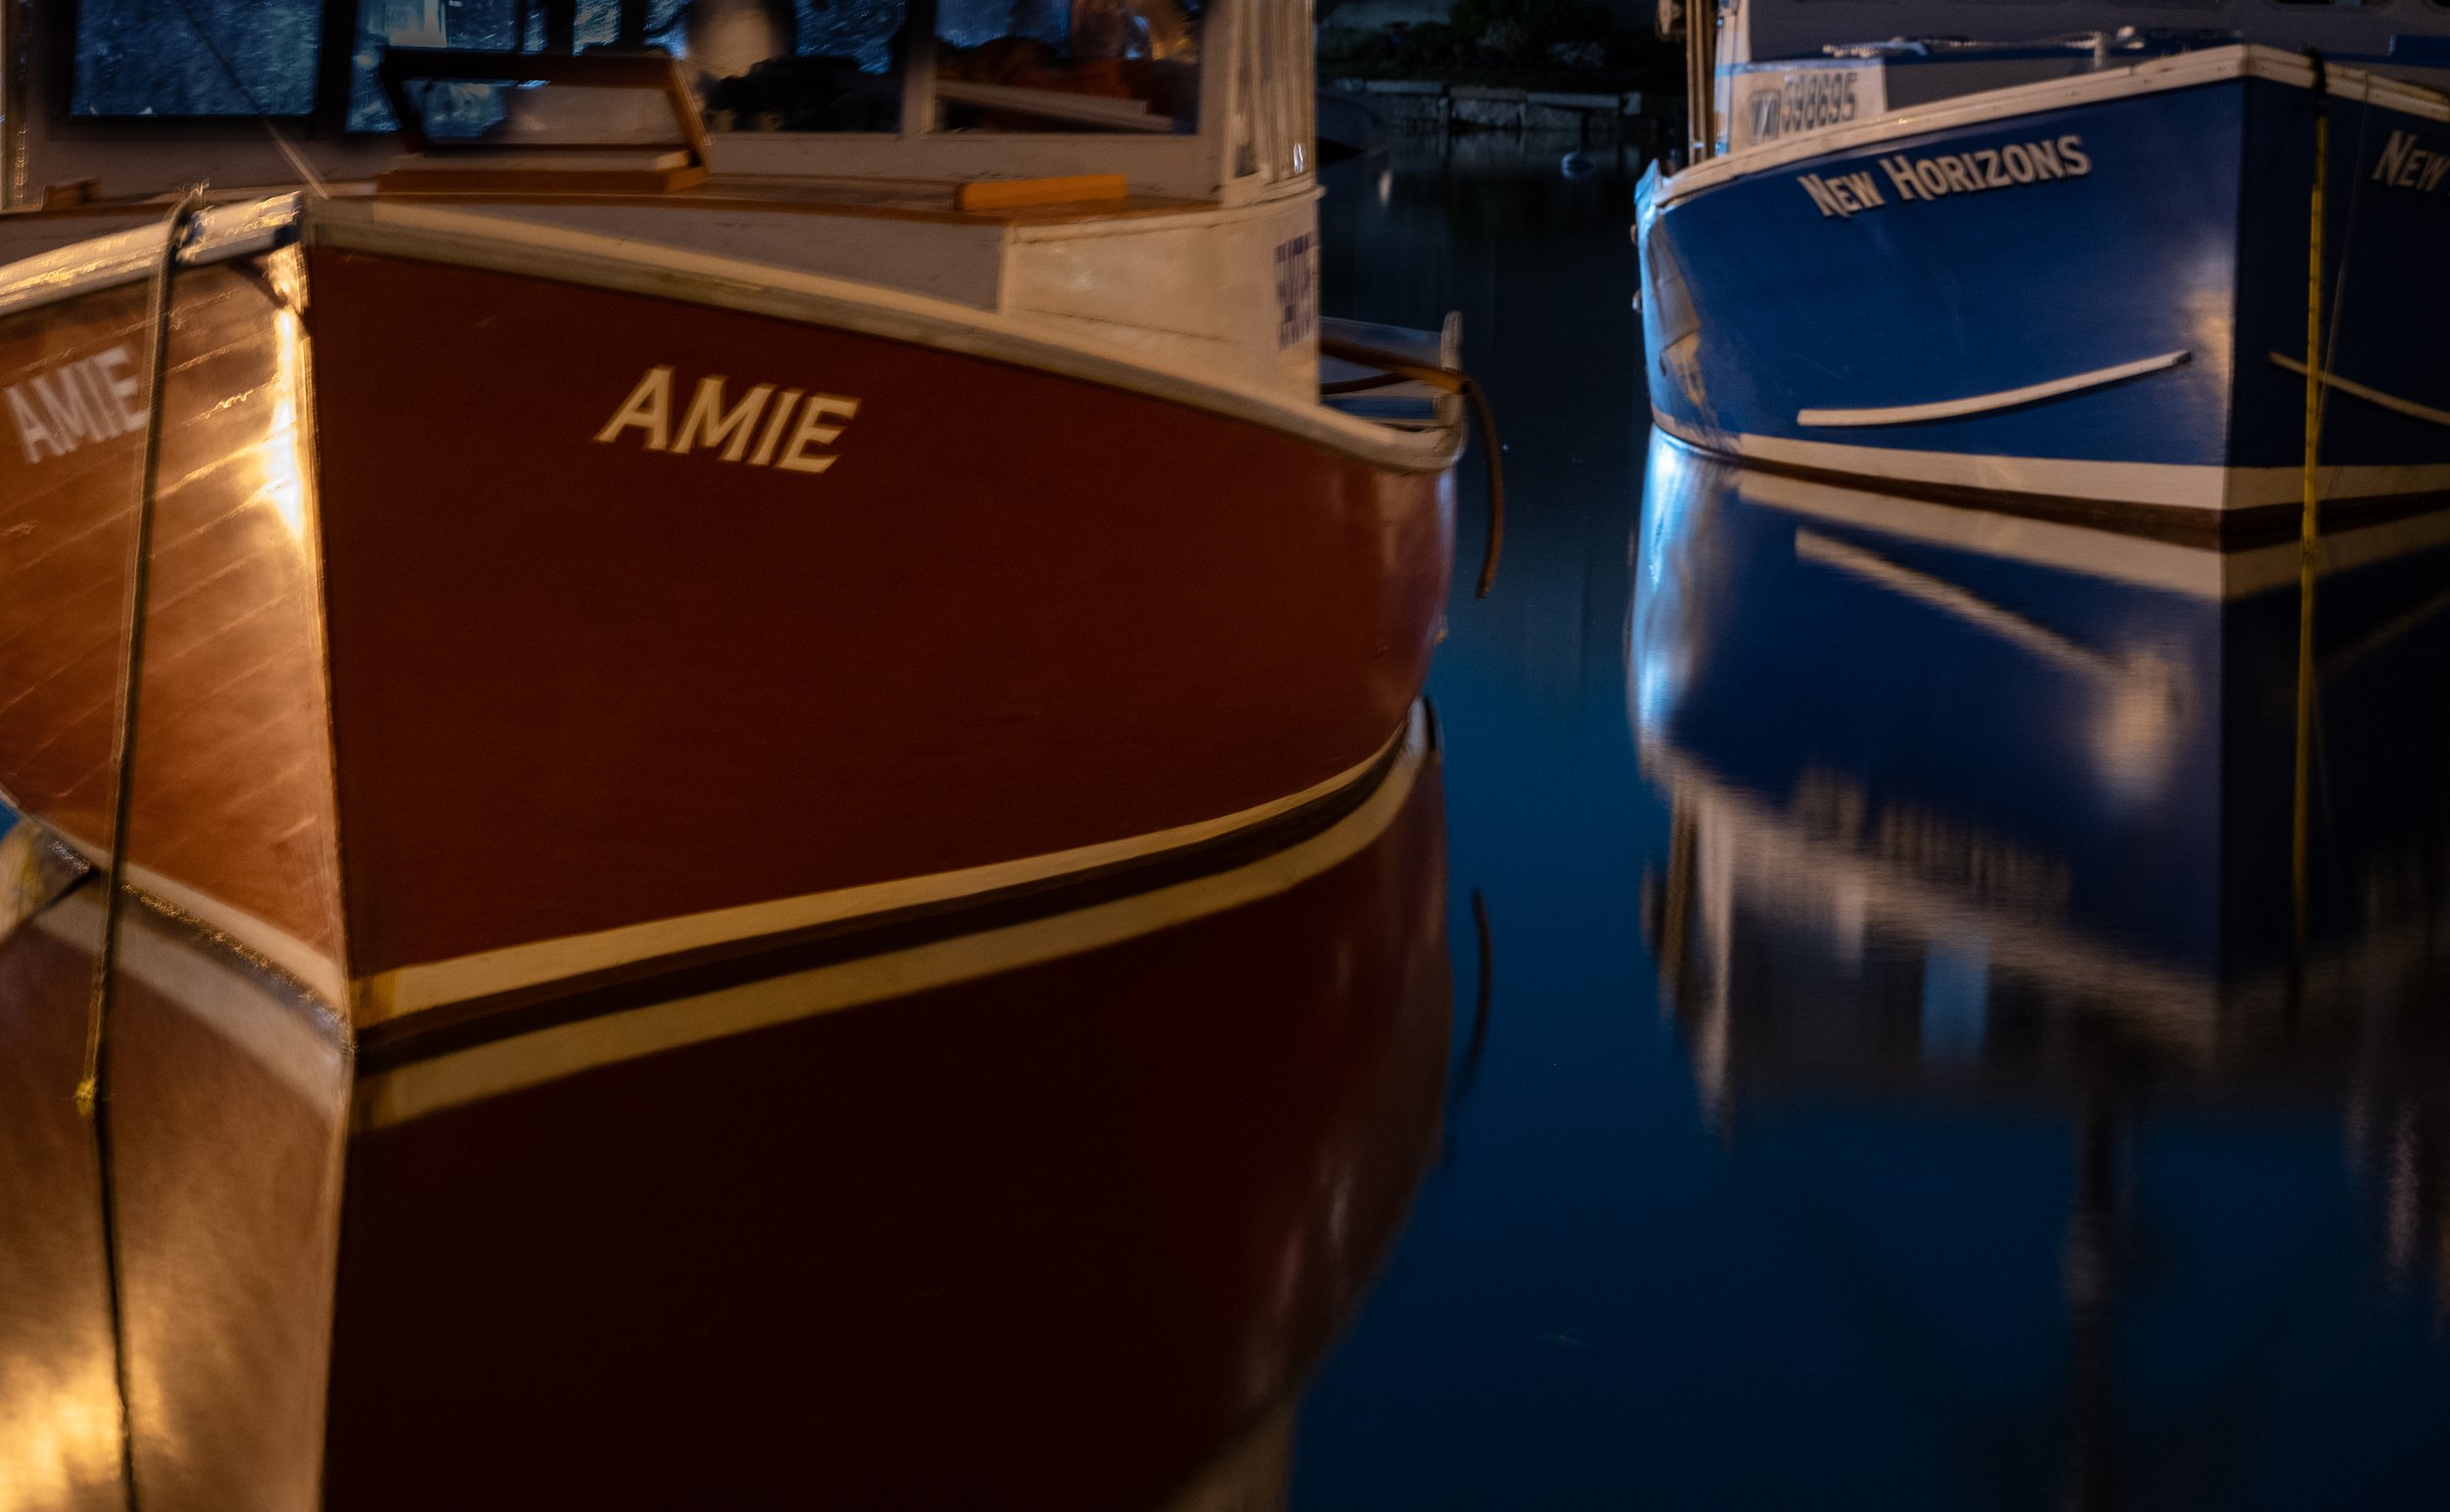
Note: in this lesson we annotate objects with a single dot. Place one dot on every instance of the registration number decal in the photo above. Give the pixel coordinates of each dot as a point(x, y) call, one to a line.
point(1297, 291)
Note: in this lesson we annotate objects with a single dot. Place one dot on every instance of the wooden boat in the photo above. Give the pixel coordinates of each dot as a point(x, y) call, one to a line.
point(1050, 1213)
point(585, 541)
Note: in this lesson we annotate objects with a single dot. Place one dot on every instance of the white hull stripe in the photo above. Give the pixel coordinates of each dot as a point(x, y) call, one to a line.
point(2181, 485)
point(1980, 403)
point(2371, 396)
point(2196, 572)
point(409, 989)
point(303, 1048)
point(316, 970)
point(503, 1066)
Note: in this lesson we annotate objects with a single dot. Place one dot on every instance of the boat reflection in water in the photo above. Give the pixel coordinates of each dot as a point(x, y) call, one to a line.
point(1055, 1208)
point(226, 1091)
point(1977, 920)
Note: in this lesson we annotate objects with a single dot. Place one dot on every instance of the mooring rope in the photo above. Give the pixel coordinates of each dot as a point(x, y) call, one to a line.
point(2309, 520)
point(288, 149)
point(93, 1090)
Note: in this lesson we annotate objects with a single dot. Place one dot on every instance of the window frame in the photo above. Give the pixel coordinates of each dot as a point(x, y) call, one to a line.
point(321, 119)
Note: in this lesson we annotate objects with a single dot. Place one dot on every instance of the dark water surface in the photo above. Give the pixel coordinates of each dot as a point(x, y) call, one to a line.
point(1896, 1089)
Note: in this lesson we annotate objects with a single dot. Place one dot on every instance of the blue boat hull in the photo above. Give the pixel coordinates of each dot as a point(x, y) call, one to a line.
point(2098, 307)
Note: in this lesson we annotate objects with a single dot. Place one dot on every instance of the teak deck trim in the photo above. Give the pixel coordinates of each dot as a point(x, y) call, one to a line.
point(1010, 193)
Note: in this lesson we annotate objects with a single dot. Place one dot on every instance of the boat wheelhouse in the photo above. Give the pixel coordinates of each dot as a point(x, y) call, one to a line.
point(2054, 257)
point(591, 487)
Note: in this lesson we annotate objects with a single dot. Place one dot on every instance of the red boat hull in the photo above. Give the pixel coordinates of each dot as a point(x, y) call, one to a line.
point(540, 650)
point(1048, 1237)
point(1043, 1215)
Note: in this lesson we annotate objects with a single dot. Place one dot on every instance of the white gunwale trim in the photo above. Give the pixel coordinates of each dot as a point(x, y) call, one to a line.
point(303, 1048)
point(317, 971)
point(495, 243)
point(2208, 66)
point(2371, 396)
point(219, 233)
point(1979, 404)
point(2180, 485)
point(519, 1061)
point(408, 989)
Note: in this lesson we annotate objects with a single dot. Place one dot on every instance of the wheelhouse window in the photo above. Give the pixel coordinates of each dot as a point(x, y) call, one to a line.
point(162, 57)
point(752, 66)
point(755, 65)
point(605, 103)
point(490, 26)
point(1068, 64)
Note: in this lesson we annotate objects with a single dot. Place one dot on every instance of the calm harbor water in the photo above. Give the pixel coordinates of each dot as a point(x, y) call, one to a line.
point(1818, 1020)
point(1894, 1089)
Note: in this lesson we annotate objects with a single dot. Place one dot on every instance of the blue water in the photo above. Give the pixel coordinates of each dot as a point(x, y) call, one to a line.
point(2036, 1189)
